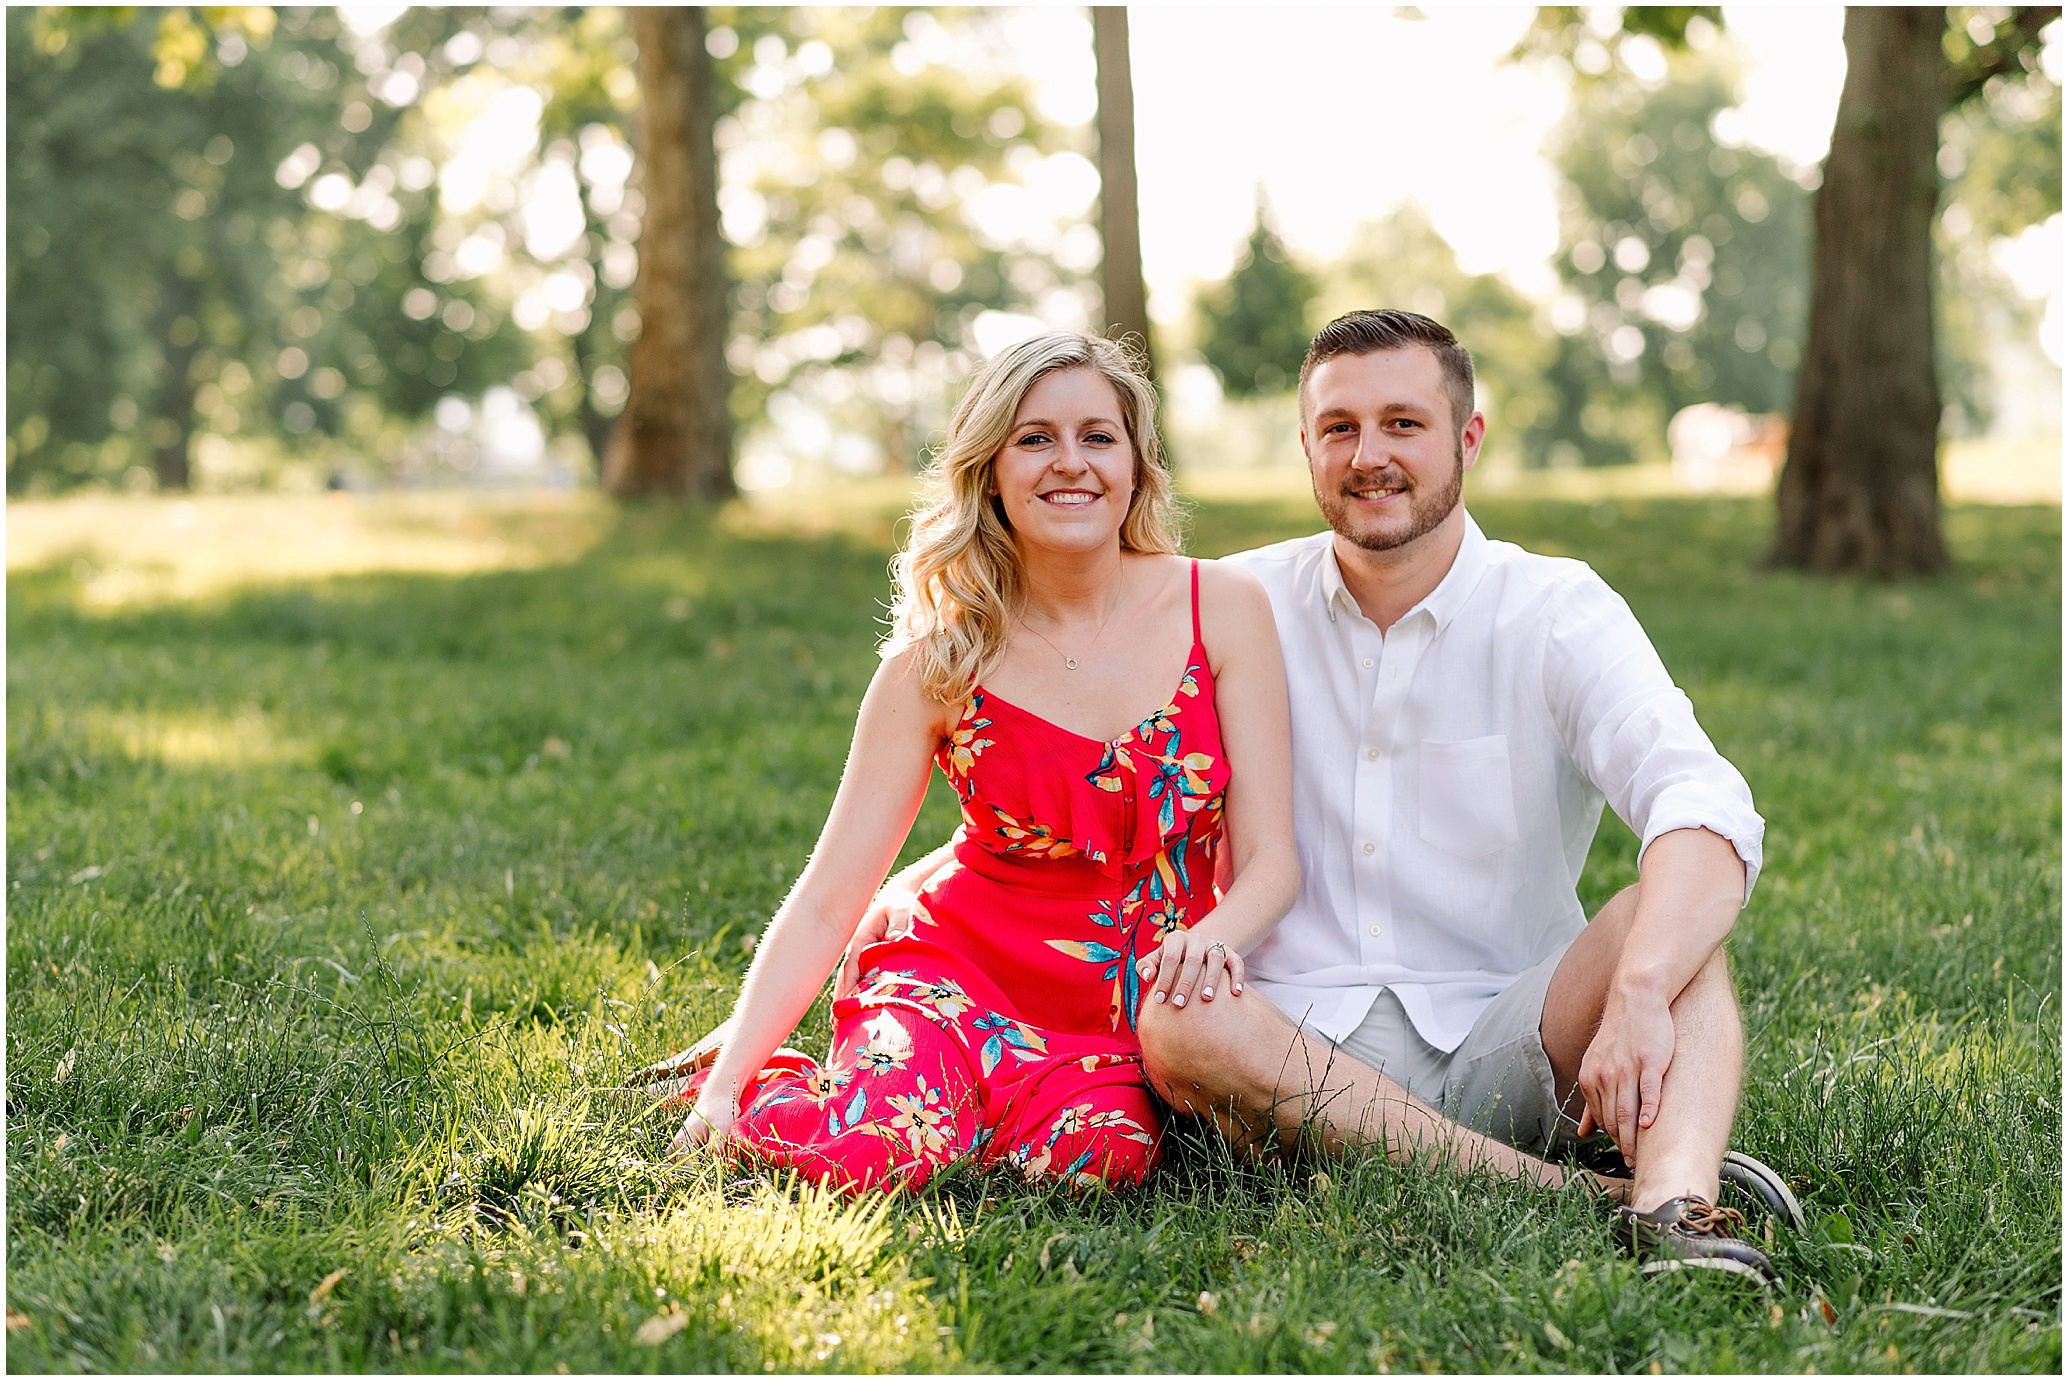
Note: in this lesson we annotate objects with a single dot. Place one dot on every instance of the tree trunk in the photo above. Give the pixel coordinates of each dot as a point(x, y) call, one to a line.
point(597, 429)
point(1120, 226)
point(1860, 490)
point(172, 427)
point(676, 434)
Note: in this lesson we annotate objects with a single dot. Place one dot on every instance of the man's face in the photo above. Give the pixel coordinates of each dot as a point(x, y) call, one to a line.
point(1388, 463)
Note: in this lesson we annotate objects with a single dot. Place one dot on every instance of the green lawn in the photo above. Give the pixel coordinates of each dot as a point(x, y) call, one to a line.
point(327, 903)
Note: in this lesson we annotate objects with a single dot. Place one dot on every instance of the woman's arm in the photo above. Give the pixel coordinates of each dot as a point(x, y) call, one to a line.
point(895, 737)
point(1250, 698)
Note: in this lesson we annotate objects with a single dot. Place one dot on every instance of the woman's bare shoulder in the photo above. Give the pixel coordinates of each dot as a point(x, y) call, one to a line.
point(899, 685)
point(1232, 588)
point(1234, 614)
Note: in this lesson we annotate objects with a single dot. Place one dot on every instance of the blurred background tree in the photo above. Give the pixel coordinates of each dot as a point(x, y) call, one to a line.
point(342, 234)
point(1860, 490)
point(676, 434)
point(252, 245)
point(209, 226)
point(2000, 153)
point(874, 193)
point(1124, 295)
point(864, 159)
point(1255, 325)
point(1683, 258)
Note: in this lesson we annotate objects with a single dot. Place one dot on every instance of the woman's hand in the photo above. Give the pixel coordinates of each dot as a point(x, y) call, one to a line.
point(701, 1128)
point(880, 791)
point(1188, 964)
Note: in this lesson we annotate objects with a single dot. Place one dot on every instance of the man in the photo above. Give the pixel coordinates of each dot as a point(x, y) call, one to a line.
point(1461, 710)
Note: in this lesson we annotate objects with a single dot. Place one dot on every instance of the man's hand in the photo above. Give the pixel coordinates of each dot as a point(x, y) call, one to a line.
point(1188, 964)
point(1624, 1068)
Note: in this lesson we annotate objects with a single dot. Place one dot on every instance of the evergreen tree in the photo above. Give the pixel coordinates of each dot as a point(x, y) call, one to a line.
point(1255, 323)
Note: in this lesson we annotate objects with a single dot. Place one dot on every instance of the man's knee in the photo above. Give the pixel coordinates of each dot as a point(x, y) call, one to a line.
point(1172, 1043)
point(1616, 916)
point(1607, 933)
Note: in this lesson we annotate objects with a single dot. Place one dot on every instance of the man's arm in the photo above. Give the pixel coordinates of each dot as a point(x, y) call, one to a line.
point(890, 913)
point(1632, 732)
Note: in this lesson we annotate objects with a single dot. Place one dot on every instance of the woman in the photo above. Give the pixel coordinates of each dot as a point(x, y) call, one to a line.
point(1106, 711)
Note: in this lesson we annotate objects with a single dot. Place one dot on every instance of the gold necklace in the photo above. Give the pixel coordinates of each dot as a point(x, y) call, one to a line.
point(1069, 662)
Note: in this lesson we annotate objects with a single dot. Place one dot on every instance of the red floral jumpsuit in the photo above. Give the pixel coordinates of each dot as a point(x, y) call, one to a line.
point(1002, 1026)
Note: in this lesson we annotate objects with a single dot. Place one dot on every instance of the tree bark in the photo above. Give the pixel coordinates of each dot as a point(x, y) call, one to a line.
point(597, 429)
point(676, 434)
point(1860, 489)
point(1120, 227)
point(173, 417)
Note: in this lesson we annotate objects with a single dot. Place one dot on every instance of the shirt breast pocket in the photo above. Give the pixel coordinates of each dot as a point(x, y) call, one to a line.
point(1468, 796)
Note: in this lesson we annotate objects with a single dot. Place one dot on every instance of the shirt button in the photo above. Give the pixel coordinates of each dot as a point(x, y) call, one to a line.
point(1374, 930)
point(1371, 848)
point(1371, 754)
point(1367, 661)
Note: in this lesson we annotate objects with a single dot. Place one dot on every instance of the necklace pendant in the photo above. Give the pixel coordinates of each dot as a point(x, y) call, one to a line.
point(1070, 663)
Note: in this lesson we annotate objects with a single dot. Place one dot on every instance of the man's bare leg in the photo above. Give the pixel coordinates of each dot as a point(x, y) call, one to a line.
point(1682, 1151)
point(1264, 1082)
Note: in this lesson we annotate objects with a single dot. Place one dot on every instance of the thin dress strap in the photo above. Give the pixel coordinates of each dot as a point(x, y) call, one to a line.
point(1196, 640)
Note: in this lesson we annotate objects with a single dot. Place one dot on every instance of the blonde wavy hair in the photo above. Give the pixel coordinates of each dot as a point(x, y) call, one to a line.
point(958, 580)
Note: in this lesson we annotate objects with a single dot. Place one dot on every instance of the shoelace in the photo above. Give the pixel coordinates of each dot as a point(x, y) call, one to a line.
point(1696, 1216)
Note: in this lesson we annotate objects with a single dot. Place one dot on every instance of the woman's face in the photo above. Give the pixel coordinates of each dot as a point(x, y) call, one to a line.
point(1065, 475)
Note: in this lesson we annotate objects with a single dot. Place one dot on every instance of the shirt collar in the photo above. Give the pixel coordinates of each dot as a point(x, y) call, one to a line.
point(1442, 603)
point(1333, 590)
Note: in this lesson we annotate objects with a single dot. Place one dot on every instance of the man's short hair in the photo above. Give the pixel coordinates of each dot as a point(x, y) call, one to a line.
point(1370, 331)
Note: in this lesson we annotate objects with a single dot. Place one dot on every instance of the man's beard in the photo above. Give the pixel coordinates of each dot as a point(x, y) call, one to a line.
point(1426, 509)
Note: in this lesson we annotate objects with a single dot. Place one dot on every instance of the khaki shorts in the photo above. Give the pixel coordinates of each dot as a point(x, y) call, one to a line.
point(1497, 1081)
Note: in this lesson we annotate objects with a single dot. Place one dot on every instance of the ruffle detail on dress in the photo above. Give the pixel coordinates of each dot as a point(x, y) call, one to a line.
point(1051, 794)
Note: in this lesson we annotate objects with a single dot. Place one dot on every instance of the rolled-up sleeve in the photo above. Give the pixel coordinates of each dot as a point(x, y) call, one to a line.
point(1632, 732)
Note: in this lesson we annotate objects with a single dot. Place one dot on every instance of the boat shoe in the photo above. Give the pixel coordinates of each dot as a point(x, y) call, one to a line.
point(1692, 1234)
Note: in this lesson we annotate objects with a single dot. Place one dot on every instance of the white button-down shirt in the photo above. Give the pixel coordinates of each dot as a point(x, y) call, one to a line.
point(1449, 774)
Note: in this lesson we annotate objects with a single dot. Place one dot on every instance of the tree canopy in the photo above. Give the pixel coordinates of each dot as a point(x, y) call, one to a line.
point(338, 232)
point(1684, 259)
point(266, 282)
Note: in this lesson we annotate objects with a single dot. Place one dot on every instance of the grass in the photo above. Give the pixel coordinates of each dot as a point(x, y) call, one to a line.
point(331, 898)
